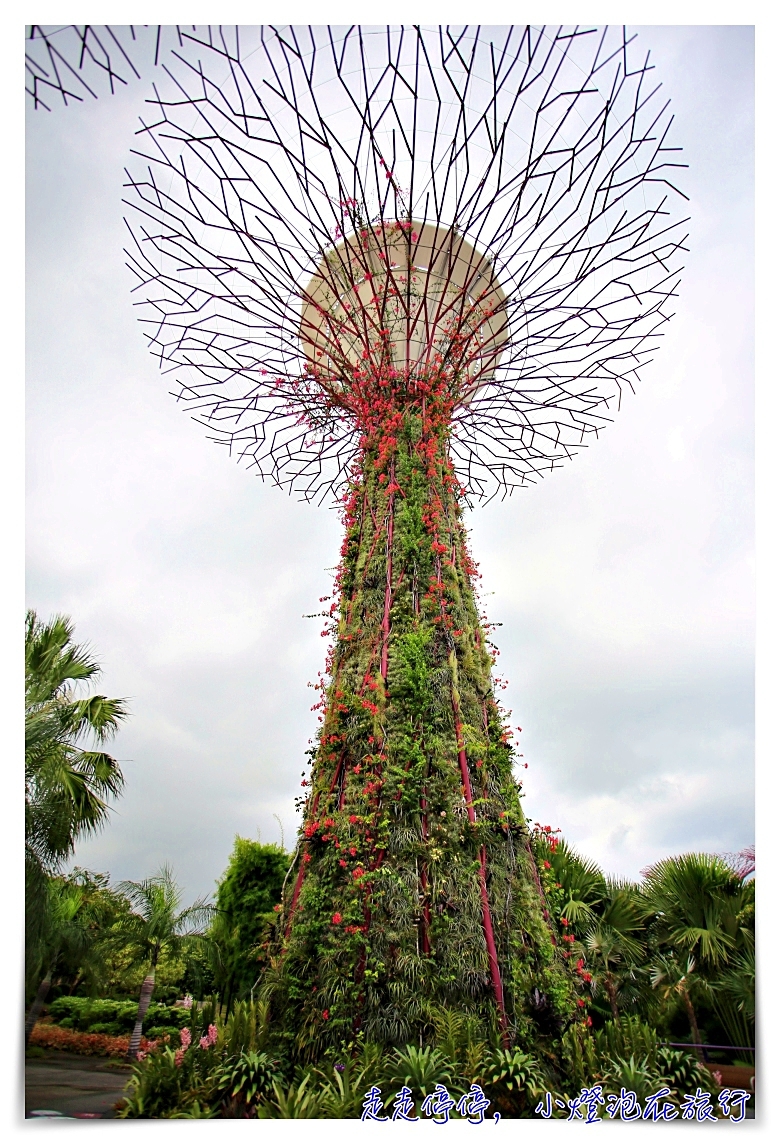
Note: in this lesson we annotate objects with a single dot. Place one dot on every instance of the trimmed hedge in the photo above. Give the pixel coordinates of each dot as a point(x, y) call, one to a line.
point(116, 1018)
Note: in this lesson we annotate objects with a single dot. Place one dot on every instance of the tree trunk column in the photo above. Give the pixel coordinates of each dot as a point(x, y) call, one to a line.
point(143, 1004)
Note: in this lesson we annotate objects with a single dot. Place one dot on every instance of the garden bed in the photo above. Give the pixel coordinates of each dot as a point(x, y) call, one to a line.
point(45, 1035)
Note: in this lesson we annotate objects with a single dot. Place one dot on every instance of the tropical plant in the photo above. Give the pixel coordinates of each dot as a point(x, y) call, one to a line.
point(676, 977)
point(297, 1102)
point(244, 1080)
point(734, 997)
point(629, 1036)
point(345, 1083)
point(614, 942)
point(68, 935)
point(631, 1074)
point(626, 1054)
point(461, 1038)
point(245, 1028)
point(697, 900)
point(419, 1068)
point(514, 1079)
point(682, 1071)
point(156, 924)
point(581, 882)
point(170, 1081)
point(68, 778)
point(162, 1085)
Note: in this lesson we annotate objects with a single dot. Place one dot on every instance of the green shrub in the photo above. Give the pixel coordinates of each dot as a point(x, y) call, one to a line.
point(626, 1038)
point(298, 1102)
point(514, 1081)
point(420, 1069)
point(344, 1088)
point(159, 1087)
point(682, 1072)
point(94, 1015)
point(111, 1028)
point(633, 1075)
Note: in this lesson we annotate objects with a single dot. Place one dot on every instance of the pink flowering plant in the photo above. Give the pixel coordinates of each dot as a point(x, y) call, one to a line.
point(219, 1068)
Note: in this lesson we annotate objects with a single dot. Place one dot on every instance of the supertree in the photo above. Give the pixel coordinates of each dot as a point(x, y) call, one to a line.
point(408, 268)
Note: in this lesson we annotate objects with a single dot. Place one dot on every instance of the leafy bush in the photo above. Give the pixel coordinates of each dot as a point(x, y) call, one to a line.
point(516, 1072)
point(420, 1069)
point(298, 1102)
point(682, 1072)
point(160, 1032)
point(344, 1087)
point(246, 1028)
point(632, 1075)
point(626, 1038)
point(95, 1015)
point(111, 1028)
point(246, 1079)
point(161, 1085)
point(626, 1054)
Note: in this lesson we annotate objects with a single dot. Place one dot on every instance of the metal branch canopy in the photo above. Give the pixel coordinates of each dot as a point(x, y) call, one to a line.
point(409, 267)
point(543, 153)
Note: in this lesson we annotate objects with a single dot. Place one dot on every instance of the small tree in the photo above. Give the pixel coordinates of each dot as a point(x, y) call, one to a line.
point(675, 976)
point(157, 925)
point(703, 924)
point(246, 895)
point(68, 934)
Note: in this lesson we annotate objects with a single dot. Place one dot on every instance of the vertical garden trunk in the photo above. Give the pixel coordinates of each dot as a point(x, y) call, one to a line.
point(414, 889)
point(147, 988)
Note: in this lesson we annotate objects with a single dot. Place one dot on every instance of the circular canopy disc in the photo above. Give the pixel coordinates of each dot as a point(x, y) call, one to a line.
point(425, 286)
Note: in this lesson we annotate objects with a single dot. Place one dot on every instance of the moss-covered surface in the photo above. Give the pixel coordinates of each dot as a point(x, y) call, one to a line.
point(414, 861)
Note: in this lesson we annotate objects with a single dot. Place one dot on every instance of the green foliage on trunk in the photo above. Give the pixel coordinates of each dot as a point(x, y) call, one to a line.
point(384, 919)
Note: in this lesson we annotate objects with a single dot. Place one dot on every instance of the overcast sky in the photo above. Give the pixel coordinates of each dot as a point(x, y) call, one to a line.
point(624, 582)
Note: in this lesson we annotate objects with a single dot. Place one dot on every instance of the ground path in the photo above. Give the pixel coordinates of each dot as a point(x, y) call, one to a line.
point(73, 1085)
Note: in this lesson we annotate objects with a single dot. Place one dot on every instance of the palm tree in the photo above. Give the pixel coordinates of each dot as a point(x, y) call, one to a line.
point(675, 976)
point(582, 882)
point(614, 946)
point(734, 997)
point(66, 782)
point(156, 926)
point(697, 900)
point(68, 934)
point(702, 918)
